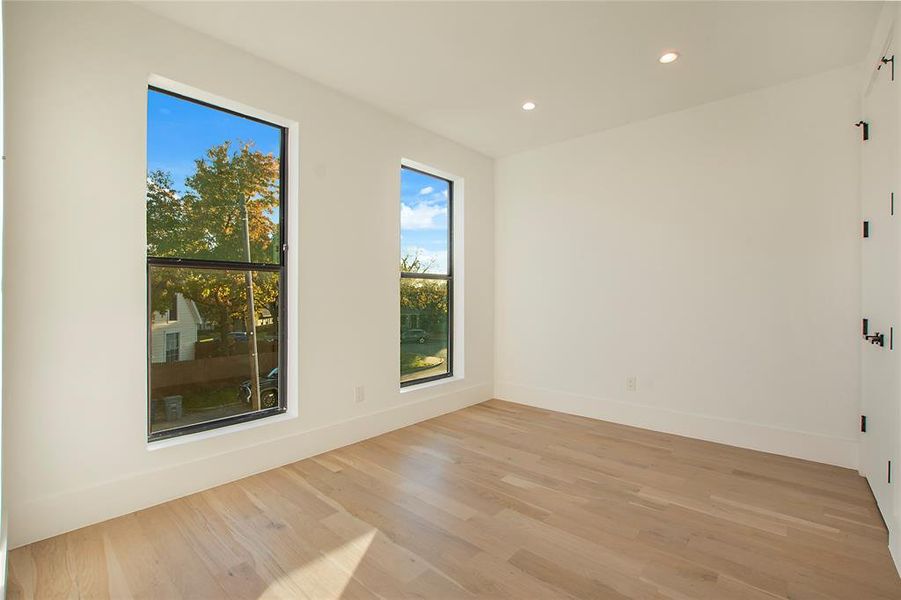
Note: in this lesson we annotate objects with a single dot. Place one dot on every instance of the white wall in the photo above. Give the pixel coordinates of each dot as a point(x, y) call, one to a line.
point(75, 412)
point(3, 515)
point(712, 253)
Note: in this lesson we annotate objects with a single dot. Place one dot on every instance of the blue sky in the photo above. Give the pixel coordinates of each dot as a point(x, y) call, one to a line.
point(179, 132)
point(423, 218)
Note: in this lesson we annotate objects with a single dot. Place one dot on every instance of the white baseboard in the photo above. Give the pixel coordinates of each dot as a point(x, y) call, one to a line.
point(798, 444)
point(58, 513)
point(894, 548)
point(894, 543)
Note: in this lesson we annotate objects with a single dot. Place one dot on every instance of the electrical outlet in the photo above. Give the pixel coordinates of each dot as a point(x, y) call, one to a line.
point(631, 383)
point(359, 394)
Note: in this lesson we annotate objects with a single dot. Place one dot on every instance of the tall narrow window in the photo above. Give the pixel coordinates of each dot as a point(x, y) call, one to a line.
point(426, 277)
point(215, 266)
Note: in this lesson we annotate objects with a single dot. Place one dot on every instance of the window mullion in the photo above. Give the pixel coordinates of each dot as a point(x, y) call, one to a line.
point(432, 276)
point(192, 263)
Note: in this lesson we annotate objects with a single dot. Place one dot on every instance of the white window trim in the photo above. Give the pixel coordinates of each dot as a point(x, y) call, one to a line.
point(292, 266)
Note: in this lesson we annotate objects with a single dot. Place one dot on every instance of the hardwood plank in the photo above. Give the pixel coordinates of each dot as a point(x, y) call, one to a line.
point(498, 500)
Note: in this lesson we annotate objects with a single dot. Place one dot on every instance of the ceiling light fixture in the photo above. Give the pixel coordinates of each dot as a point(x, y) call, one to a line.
point(668, 58)
point(528, 105)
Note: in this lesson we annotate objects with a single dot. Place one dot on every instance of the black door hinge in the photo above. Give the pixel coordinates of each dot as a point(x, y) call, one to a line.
point(884, 61)
point(877, 339)
point(866, 129)
point(863, 423)
point(866, 326)
point(889, 469)
point(866, 229)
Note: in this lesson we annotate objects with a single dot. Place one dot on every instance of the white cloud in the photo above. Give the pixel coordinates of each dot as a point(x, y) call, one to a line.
point(421, 216)
point(426, 190)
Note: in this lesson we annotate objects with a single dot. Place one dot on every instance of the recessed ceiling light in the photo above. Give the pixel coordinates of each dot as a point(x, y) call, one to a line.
point(528, 105)
point(668, 57)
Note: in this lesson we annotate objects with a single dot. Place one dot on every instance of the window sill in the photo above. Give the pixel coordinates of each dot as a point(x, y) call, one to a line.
point(213, 433)
point(429, 384)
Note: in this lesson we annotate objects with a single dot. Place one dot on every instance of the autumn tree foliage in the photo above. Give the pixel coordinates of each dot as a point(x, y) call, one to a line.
point(207, 222)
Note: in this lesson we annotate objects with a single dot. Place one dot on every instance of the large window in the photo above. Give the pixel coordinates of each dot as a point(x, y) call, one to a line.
point(426, 277)
point(215, 266)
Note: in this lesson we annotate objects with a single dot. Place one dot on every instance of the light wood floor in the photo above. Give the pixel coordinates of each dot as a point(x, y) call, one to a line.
point(494, 501)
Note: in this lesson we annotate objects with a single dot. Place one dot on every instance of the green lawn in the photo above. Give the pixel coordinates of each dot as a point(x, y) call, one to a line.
point(416, 357)
point(203, 399)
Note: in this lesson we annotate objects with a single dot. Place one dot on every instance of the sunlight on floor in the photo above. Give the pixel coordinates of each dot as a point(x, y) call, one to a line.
point(320, 578)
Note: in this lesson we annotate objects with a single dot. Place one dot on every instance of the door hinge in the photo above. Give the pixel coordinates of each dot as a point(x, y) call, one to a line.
point(866, 129)
point(877, 339)
point(891, 209)
point(866, 229)
point(889, 472)
point(863, 423)
point(884, 61)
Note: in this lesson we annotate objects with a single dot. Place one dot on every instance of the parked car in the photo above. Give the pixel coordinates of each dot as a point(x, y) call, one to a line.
point(238, 336)
point(414, 335)
point(268, 390)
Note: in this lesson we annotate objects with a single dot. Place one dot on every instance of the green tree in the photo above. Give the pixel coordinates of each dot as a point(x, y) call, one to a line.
point(166, 223)
point(208, 222)
point(425, 297)
point(223, 183)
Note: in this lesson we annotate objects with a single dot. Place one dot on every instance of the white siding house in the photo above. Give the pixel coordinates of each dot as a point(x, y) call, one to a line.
point(173, 333)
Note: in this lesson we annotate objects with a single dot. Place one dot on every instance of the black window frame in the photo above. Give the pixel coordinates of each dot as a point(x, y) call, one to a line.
point(449, 278)
point(281, 267)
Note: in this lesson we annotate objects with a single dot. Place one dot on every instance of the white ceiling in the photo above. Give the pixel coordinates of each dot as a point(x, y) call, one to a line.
point(463, 69)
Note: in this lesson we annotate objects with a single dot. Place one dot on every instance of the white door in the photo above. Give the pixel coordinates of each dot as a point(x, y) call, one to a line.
point(880, 299)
